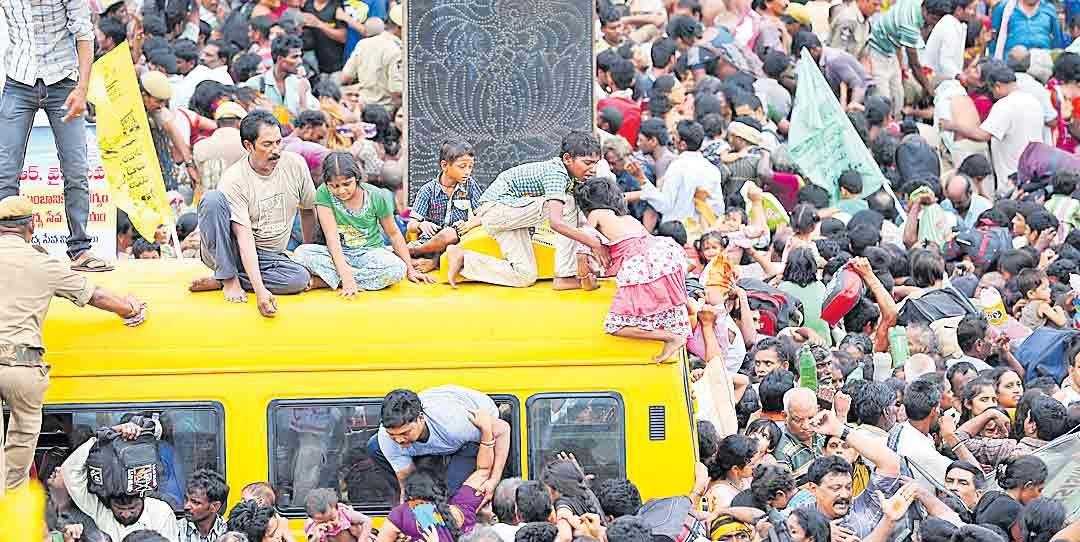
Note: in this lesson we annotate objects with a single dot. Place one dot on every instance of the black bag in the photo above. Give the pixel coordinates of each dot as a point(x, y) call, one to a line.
point(916, 160)
point(777, 308)
point(935, 305)
point(116, 466)
point(670, 521)
point(983, 244)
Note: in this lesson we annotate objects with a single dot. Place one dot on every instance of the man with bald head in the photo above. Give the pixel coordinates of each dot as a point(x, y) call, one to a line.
point(799, 445)
point(1019, 59)
point(962, 199)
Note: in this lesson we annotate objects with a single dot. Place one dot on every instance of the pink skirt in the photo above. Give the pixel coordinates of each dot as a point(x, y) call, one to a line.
point(650, 273)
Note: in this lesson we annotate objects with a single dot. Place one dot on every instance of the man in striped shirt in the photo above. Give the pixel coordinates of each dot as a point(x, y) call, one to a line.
point(49, 53)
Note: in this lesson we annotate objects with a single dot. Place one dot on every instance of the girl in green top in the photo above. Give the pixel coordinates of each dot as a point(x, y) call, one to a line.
point(801, 280)
point(351, 213)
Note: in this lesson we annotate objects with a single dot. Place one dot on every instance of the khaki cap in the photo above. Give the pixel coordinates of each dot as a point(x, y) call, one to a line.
point(157, 85)
point(230, 110)
point(16, 208)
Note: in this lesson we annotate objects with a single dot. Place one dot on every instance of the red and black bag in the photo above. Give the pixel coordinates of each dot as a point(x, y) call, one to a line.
point(778, 309)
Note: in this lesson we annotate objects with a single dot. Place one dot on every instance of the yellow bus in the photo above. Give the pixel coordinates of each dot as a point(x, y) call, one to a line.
point(294, 400)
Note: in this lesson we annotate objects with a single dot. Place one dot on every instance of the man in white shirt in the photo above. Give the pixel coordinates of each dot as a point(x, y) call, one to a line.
point(1019, 59)
point(914, 439)
point(117, 516)
point(1010, 126)
point(193, 73)
point(944, 52)
point(689, 174)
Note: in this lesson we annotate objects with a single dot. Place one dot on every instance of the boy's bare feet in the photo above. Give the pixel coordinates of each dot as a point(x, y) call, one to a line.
point(205, 284)
point(424, 265)
point(455, 262)
point(566, 283)
point(671, 345)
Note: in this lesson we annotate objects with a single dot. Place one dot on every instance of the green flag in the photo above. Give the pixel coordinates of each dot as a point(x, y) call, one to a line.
point(822, 140)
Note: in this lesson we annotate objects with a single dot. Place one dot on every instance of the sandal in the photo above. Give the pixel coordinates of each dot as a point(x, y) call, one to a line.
point(88, 263)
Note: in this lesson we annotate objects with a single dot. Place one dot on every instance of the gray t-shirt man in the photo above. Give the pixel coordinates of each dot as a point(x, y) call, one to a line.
point(447, 411)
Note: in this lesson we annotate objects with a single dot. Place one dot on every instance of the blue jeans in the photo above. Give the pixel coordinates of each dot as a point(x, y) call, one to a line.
point(457, 466)
point(18, 105)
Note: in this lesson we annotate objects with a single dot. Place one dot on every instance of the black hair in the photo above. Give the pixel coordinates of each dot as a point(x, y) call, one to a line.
point(662, 52)
point(940, 7)
point(970, 391)
point(927, 268)
point(618, 497)
point(578, 144)
point(862, 236)
point(344, 164)
point(767, 426)
point(975, 470)
point(998, 72)
point(311, 117)
point(612, 116)
point(921, 397)
point(144, 535)
point(1042, 220)
point(537, 531)
point(504, 501)
point(1029, 279)
point(163, 57)
point(827, 249)
point(566, 477)
point(253, 123)
point(713, 124)
point(776, 63)
point(400, 407)
point(186, 50)
point(1042, 519)
point(708, 440)
point(251, 518)
point(870, 403)
point(861, 125)
point(969, 330)
point(877, 109)
point(1045, 384)
point(1067, 68)
point(864, 313)
point(608, 15)
point(1061, 268)
point(533, 502)
point(801, 268)
point(851, 181)
point(141, 245)
point(283, 45)
point(980, 533)
point(154, 25)
point(745, 99)
point(206, 93)
point(1014, 261)
point(452, 149)
point(813, 522)
point(246, 66)
point(826, 465)
point(1049, 415)
point(804, 39)
point(599, 193)
point(212, 483)
point(772, 389)
point(684, 27)
point(813, 194)
point(113, 29)
point(623, 74)
point(935, 529)
point(674, 230)
point(386, 133)
point(770, 480)
point(804, 218)
point(735, 452)
point(426, 486)
point(1017, 472)
point(629, 529)
point(691, 134)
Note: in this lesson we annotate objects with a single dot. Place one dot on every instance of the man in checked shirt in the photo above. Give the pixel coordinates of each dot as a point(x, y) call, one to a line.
point(49, 53)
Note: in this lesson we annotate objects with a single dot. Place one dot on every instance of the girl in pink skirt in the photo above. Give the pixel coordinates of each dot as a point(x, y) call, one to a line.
point(650, 272)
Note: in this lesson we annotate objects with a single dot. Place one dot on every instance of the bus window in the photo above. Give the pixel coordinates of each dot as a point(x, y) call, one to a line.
point(192, 438)
point(588, 425)
point(325, 444)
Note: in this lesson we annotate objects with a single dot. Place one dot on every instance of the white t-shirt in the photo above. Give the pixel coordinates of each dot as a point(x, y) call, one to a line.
point(1014, 121)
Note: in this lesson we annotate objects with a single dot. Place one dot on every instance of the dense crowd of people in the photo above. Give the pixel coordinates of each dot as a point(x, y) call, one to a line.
point(875, 357)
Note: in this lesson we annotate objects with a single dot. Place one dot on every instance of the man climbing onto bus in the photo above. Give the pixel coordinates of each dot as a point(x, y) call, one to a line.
point(29, 282)
point(434, 430)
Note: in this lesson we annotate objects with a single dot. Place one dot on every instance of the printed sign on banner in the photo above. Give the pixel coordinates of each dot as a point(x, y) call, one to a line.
point(43, 182)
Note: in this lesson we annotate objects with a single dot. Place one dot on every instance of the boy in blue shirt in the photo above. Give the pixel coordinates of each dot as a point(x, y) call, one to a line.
point(443, 210)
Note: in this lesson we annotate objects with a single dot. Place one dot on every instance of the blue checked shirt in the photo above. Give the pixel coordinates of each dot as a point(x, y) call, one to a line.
point(42, 36)
point(190, 533)
point(431, 202)
point(513, 187)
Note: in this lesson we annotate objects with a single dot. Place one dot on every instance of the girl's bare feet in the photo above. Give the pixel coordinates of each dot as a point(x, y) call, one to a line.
point(455, 262)
point(671, 346)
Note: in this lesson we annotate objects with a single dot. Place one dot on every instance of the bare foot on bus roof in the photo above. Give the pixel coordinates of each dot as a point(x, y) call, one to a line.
point(234, 293)
point(205, 284)
point(671, 346)
point(455, 258)
point(566, 283)
point(424, 265)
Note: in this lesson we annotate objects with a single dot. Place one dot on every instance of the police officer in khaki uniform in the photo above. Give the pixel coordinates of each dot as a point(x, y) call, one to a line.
point(29, 281)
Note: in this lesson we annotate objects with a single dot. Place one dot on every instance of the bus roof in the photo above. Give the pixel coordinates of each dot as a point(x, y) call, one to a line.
point(405, 326)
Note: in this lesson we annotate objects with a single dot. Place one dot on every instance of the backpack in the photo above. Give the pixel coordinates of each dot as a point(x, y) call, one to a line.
point(670, 521)
point(1043, 353)
point(116, 466)
point(982, 243)
point(777, 308)
point(935, 305)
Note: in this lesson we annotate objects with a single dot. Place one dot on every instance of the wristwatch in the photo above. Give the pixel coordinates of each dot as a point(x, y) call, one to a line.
point(844, 434)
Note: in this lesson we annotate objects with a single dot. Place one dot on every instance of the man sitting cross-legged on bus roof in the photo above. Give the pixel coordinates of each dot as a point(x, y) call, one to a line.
point(435, 426)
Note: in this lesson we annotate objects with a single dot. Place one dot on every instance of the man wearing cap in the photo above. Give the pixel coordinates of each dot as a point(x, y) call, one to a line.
point(376, 65)
point(156, 93)
point(48, 57)
point(222, 149)
point(29, 281)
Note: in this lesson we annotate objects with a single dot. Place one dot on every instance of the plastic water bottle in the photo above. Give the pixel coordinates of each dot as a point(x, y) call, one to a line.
point(993, 307)
point(898, 345)
point(807, 369)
